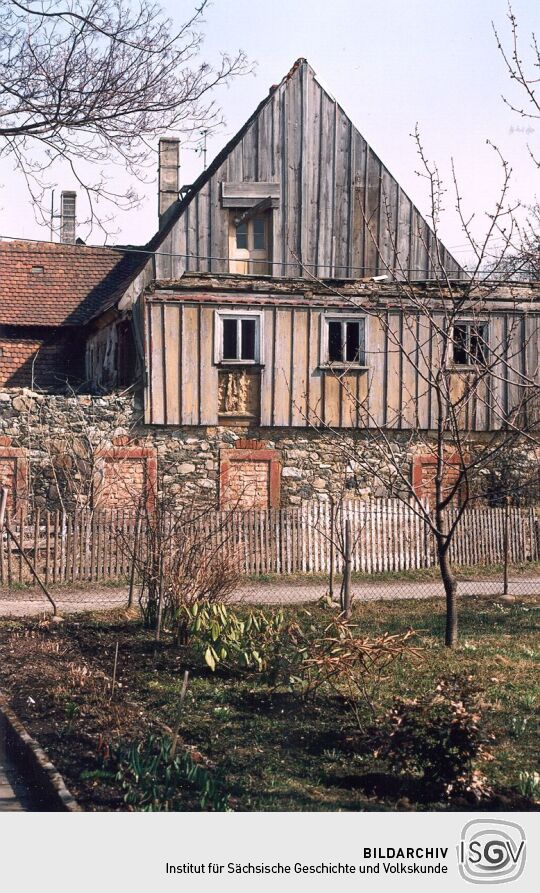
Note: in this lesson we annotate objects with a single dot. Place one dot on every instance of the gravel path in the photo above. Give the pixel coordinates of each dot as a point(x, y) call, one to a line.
point(26, 602)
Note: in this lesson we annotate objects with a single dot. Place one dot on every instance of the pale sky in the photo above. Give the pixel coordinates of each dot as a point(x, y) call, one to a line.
point(390, 64)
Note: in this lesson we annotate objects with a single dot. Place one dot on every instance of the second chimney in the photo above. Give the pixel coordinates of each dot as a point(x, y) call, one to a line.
point(68, 216)
point(168, 181)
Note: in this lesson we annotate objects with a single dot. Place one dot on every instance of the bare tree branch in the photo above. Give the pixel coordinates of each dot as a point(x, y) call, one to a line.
point(93, 82)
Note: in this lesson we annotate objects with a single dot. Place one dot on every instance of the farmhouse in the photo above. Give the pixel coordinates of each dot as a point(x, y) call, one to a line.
point(291, 292)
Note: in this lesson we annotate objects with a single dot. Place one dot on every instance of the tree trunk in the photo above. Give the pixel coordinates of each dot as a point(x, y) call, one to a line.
point(450, 591)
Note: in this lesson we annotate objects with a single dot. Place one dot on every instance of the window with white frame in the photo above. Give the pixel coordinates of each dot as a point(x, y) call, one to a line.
point(470, 343)
point(238, 337)
point(344, 341)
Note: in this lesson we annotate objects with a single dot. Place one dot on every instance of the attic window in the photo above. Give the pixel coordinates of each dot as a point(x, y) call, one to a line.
point(249, 242)
point(38, 269)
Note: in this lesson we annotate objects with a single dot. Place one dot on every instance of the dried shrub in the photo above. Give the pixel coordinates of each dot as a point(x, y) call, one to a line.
point(438, 738)
point(197, 573)
point(352, 665)
point(182, 560)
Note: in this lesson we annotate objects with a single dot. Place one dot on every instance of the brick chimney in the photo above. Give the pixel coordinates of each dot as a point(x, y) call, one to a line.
point(168, 178)
point(68, 204)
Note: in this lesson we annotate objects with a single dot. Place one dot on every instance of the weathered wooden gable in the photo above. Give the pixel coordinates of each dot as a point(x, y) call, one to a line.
point(335, 209)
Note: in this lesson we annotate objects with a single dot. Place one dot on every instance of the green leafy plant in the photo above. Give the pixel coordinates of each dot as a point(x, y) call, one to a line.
point(72, 712)
point(97, 775)
point(529, 785)
point(437, 738)
point(518, 726)
point(154, 778)
point(249, 642)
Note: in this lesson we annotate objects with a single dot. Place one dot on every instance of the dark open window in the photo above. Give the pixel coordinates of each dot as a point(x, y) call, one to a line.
point(240, 339)
point(346, 341)
point(230, 339)
point(470, 343)
point(247, 343)
point(335, 349)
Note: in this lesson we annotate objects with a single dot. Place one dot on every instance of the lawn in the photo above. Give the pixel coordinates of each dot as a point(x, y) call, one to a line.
point(263, 745)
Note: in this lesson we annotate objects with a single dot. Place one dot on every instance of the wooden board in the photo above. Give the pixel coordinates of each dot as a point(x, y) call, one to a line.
point(300, 368)
point(208, 397)
point(172, 333)
point(190, 363)
point(283, 359)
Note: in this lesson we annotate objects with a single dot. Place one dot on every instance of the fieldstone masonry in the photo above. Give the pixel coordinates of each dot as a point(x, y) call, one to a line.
point(64, 440)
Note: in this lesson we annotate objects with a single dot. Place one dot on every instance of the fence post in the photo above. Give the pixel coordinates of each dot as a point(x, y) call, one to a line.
point(3, 504)
point(134, 561)
point(506, 541)
point(331, 568)
point(346, 600)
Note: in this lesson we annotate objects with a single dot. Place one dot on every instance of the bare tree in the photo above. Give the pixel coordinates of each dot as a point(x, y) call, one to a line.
point(523, 73)
point(465, 392)
point(523, 68)
point(93, 82)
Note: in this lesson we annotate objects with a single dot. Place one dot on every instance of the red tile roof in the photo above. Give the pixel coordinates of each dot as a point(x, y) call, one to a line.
point(49, 284)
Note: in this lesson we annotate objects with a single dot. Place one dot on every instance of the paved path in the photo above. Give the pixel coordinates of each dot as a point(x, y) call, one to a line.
point(14, 796)
point(364, 591)
point(27, 602)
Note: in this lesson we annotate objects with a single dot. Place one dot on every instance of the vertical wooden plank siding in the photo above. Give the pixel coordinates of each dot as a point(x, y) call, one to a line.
point(282, 368)
point(190, 366)
point(268, 372)
point(394, 392)
point(209, 374)
point(315, 380)
point(171, 347)
point(157, 410)
point(393, 354)
point(331, 215)
point(300, 366)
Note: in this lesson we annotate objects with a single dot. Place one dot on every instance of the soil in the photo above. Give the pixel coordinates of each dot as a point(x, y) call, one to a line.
point(58, 679)
point(272, 752)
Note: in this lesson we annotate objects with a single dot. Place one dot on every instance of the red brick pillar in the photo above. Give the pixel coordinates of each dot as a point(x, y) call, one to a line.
point(14, 473)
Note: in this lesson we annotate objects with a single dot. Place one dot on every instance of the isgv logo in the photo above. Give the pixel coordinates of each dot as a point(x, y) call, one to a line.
point(491, 851)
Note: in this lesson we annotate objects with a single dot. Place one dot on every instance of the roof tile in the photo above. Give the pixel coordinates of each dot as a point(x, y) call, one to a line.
point(74, 283)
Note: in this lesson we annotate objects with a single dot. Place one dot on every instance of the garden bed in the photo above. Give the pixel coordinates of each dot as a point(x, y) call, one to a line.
point(266, 747)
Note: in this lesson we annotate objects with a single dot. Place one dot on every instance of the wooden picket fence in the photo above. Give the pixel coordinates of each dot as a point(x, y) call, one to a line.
point(83, 547)
point(388, 535)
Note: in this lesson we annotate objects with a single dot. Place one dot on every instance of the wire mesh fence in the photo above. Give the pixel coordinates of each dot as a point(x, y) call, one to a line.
point(92, 560)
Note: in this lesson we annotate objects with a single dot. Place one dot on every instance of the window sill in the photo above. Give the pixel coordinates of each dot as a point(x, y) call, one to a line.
point(465, 367)
point(235, 364)
point(343, 367)
point(237, 415)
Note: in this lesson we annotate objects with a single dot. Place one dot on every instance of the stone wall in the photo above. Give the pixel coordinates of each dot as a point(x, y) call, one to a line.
point(65, 439)
point(61, 437)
